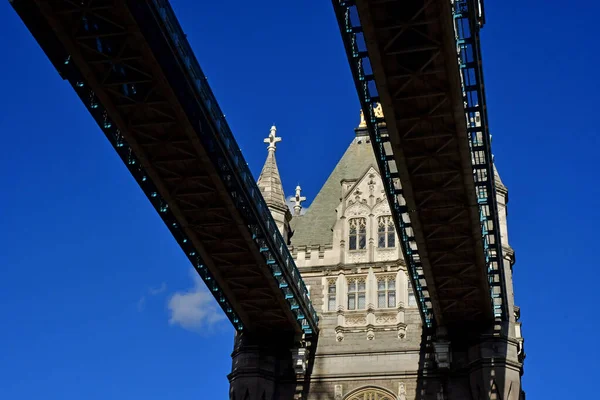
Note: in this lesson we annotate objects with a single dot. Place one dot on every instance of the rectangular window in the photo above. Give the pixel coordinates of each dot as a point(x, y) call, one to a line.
point(362, 294)
point(386, 236)
point(362, 235)
point(357, 294)
point(357, 234)
point(352, 295)
point(380, 234)
point(331, 296)
point(412, 301)
point(386, 292)
point(392, 238)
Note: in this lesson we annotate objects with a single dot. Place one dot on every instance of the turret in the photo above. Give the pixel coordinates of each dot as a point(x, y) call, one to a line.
point(270, 185)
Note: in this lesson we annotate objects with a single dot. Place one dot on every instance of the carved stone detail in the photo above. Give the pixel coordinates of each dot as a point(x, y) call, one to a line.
point(401, 331)
point(387, 254)
point(357, 256)
point(370, 334)
point(338, 392)
point(381, 207)
point(357, 209)
point(356, 320)
point(372, 183)
point(385, 320)
point(339, 334)
point(401, 391)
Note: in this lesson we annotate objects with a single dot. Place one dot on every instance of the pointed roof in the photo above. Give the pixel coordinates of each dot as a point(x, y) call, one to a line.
point(269, 180)
point(497, 178)
point(315, 227)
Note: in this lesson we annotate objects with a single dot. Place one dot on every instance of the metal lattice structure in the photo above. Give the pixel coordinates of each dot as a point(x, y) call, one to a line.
point(132, 67)
point(421, 61)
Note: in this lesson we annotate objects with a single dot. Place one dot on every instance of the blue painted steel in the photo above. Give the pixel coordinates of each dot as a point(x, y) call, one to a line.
point(232, 168)
point(244, 188)
point(72, 74)
point(360, 64)
point(468, 20)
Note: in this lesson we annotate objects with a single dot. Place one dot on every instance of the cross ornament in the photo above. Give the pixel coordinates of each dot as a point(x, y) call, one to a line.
point(298, 200)
point(272, 139)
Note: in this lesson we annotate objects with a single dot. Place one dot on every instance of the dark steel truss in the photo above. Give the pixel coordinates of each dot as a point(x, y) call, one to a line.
point(134, 70)
point(420, 60)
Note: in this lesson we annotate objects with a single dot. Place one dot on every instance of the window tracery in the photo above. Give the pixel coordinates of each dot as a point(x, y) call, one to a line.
point(370, 394)
point(386, 235)
point(331, 295)
point(357, 293)
point(357, 237)
point(386, 292)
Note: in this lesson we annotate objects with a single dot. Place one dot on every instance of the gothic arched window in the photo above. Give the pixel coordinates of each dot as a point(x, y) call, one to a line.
point(386, 292)
point(357, 293)
point(386, 236)
point(331, 295)
point(357, 238)
point(371, 394)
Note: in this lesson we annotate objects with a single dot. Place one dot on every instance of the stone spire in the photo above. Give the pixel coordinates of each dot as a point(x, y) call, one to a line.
point(269, 180)
point(271, 188)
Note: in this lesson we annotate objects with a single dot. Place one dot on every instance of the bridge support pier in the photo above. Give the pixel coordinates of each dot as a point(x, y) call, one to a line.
point(488, 368)
point(265, 368)
point(495, 372)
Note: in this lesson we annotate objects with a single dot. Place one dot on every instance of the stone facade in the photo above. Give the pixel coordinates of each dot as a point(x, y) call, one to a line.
point(370, 341)
point(371, 344)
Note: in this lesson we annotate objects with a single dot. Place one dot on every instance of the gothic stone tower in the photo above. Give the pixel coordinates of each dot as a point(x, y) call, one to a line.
point(371, 344)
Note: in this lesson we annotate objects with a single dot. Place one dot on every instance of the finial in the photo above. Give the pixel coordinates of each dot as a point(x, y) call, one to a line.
point(377, 110)
point(363, 123)
point(272, 139)
point(298, 201)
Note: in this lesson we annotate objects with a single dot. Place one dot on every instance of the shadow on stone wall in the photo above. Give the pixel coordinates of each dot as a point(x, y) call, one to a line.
point(484, 366)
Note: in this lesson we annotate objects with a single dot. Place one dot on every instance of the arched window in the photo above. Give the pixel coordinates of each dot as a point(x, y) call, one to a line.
point(371, 394)
point(385, 232)
point(357, 238)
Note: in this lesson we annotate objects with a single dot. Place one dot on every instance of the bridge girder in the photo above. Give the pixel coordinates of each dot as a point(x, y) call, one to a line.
point(404, 56)
point(131, 79)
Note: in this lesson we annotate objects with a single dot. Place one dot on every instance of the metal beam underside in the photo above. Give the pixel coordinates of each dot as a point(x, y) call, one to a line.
point(132, 67)
point(433, 148)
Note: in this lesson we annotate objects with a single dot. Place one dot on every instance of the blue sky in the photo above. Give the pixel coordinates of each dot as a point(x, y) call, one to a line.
point(97, 300)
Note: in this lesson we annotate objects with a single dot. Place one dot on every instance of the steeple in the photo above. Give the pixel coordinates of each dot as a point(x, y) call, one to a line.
point(269, 180)
point(271, 188)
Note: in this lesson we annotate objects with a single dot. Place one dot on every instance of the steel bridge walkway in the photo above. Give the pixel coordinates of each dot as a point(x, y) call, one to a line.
point(421, 60)
point(132, 67)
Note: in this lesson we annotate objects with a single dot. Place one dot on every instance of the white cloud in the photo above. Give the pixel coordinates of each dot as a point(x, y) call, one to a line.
point(290, 203)
point(194, 309)
point(158, 290)
point(141, 304)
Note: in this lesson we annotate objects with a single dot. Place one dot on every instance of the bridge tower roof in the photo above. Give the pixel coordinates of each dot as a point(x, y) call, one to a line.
point(269, 180)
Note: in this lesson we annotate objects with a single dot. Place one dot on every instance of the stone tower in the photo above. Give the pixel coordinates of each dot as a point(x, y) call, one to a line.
point(348, 253)
point(371, 344)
